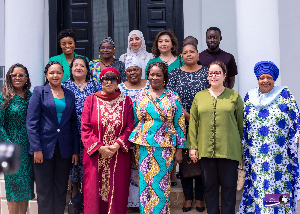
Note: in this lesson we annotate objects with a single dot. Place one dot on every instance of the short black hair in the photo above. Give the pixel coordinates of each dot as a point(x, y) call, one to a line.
point(88, 75)
point(48, 66)
point(192, 44)
point(186, 38)
point(163, 68)
point(214, 28)
point(66, 33)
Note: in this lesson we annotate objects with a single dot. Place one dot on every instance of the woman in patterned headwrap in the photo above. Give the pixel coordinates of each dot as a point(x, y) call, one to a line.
point(159, 136)
point(271, 139)
point(107, 59)
point(137, 48)
point(106, 123)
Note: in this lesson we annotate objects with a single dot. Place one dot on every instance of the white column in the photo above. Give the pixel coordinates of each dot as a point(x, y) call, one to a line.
point(24, 37)
point(192, 17)
point(2, 57)
point(257, 39)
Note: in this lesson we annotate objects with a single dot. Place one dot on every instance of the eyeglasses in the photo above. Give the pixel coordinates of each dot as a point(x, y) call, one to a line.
point(134, 70)
point(18, 75)
point(211, 73)
point(112, 79)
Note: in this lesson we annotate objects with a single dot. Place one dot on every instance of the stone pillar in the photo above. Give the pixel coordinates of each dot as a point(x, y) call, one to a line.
point(24, 37)
point(257, 39)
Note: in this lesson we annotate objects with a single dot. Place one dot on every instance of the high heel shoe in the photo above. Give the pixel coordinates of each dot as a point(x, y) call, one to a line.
point(200, 209)
point(186, 209)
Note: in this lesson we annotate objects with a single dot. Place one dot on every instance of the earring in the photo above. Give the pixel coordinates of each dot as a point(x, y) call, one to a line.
point(99, 56)
point(164, 82)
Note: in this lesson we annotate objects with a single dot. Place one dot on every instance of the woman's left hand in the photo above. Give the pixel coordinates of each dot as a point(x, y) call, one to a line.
point(178, 155)
point(75, 158)
point(114, 148)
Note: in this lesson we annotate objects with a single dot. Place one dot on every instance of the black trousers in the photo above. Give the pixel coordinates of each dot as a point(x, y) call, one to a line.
point(51, 179)
point(187, 187)
point(223, 172)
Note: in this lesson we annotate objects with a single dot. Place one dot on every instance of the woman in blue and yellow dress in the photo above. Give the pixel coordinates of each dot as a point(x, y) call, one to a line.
point(159, 136)
point(14, 100)
point(107, 59)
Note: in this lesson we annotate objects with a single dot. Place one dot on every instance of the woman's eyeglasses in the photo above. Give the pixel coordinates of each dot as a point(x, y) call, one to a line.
point(211, 73)
point(111, 79)
point(18, 75)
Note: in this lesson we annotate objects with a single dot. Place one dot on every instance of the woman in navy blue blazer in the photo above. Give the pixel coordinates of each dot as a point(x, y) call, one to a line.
point(54, 139)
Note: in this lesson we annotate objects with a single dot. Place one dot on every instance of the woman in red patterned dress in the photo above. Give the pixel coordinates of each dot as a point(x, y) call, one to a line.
point(106, 123)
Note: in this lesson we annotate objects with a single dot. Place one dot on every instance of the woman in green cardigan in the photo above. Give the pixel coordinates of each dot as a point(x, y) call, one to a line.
point(216, 131)
point(66, 39)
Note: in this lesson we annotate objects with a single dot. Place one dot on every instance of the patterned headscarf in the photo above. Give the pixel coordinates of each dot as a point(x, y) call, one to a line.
point(132, 61)
point(107, 40)
point(141, 53)
point(112, 70)
point(266, 67)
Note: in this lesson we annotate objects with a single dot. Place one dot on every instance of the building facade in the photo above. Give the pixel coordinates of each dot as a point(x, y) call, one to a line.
point(252, 30)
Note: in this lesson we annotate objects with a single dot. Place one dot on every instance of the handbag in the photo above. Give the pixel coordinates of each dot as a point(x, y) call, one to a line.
point(75, 205)
point(187, 167)
point(241, 176)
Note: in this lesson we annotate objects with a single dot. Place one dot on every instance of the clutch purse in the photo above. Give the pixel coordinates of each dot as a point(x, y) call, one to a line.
point(241, 176)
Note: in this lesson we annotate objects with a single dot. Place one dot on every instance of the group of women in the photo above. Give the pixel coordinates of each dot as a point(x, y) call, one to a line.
point(124, 123)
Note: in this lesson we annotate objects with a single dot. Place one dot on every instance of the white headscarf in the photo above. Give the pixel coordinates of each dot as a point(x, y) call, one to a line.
point(141, 53)
point(132, 61)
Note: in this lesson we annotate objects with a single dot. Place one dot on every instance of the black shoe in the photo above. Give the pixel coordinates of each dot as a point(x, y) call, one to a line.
point(200, 209)
point(173, 184)
point(186, 209)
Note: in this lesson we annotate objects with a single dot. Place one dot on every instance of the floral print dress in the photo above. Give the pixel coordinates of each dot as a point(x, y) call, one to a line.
point(270, 149)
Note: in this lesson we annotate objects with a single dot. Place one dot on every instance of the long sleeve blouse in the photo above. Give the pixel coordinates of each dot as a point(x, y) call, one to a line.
point(216, 125)
point(161, 124)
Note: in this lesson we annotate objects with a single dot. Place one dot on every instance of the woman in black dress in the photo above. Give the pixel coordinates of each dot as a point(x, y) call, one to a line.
point(187, 81)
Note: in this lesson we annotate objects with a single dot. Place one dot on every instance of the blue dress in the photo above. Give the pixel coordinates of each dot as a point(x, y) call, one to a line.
point(271, 129)
point(90, 88)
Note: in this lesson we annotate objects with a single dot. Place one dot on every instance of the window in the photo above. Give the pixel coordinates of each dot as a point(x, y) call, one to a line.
point(110, 18)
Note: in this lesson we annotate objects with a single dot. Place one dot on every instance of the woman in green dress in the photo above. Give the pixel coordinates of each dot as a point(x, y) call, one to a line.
point(66, 39)
point(14, 99)
point(165, 49)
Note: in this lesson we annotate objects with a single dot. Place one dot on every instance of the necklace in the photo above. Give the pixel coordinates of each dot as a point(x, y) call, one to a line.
point(101, 59)
point(81, 84)
point(166, 62)
point(55, 91)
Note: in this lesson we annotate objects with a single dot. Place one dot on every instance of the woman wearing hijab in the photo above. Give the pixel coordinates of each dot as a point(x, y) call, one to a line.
point(106, 123)
point(137, 48)
point(270, 141)
point(107, 59)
